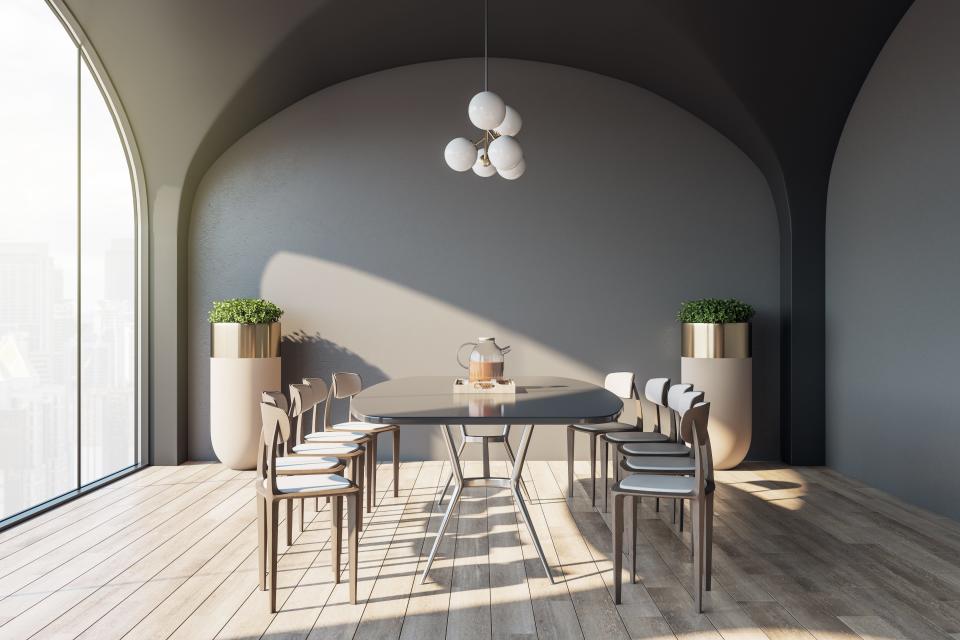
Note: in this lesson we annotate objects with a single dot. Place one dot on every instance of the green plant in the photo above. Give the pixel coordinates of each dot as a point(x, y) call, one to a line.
point(715, 310)
point(245, 311)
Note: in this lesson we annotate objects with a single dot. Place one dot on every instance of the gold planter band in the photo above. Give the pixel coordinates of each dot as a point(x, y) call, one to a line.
point(233, 340)
point(707, 340)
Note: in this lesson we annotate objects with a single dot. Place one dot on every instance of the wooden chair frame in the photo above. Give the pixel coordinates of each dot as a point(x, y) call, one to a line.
point(275, 430)
point(345, 385)
point(693, 430)
point(623, 385)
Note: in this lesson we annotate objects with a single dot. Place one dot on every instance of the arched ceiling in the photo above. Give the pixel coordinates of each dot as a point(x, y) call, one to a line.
point(777, 78)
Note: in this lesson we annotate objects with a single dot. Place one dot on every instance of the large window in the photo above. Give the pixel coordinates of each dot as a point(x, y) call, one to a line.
point(68, 339)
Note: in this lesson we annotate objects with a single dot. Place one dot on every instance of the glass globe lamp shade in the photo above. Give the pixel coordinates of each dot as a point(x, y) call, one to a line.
point(460, 154)
point(514, 173)
point(486, 110)
point(511, 123)
point(483, 170)
point(505, 152)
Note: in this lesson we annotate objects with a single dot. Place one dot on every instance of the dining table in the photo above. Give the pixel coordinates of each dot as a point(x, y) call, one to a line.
point(537, 401)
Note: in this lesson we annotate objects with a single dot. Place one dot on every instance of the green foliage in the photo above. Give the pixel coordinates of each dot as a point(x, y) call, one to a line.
point(245, 311)
point(715, 310)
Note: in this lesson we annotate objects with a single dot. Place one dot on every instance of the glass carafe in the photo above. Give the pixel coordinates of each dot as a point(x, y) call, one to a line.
point(486, 359)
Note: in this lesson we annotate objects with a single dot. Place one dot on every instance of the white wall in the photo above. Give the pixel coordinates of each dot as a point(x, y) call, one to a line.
point(893, 268)
point(341, 210)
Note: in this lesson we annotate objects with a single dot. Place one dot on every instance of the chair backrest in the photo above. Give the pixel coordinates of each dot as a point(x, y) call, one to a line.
point(620, 384)
point(623, 385)
point(276, 398)
point(673, 398)
point(694, 430)
point(304, 399)
point(274, 428)
point(343, 385)
point(655, 397)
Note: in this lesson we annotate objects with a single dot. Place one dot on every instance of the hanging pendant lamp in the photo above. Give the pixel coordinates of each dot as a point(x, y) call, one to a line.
point(497, 150)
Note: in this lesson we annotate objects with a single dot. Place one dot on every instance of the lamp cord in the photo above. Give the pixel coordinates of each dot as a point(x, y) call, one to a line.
point(485, 64)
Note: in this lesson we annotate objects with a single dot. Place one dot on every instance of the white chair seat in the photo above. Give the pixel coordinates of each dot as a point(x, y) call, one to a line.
point(306, 464)
point(660, 464)
point(311, 483)
point(655, 449)
point(673, 486)
point(327, 449)
point(363, 427)
point(335, 436)
point(604, 427)
point(622, 437)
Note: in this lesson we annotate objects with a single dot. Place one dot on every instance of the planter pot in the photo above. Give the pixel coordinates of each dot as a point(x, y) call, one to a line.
point(716, 359)
point(244, 361)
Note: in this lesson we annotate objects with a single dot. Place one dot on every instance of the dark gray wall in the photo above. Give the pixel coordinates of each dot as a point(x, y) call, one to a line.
point(341, 209)
point(893, 269)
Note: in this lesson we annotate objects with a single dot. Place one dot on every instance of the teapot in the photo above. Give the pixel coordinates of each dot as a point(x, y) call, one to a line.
point(486, 359)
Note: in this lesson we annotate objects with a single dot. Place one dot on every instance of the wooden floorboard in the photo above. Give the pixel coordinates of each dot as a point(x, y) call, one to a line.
point(169, 552)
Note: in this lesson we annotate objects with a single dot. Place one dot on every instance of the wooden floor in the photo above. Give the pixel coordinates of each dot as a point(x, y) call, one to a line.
point(169, 552)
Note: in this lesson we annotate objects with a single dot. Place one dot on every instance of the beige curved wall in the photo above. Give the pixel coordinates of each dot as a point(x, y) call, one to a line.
point(341, 210)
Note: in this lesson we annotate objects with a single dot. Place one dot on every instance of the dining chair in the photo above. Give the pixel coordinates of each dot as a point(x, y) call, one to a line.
point(345, 386)
point(640, 433)
point(699, 489)
point(622, 385)
point(673, 465)
point(354, 446)
point(313, 459)
point(272, 489)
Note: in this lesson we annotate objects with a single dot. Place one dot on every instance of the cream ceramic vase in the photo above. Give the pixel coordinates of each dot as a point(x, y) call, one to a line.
point(716, 359)
point(244, 362)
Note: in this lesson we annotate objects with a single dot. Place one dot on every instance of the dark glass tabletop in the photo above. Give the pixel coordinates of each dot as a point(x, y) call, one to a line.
point(538, 400)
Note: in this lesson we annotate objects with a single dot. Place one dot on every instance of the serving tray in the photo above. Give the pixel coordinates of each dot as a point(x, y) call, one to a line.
point(497, 386)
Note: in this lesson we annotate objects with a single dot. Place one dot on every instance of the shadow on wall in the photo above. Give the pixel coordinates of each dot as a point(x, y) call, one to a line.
point(311, 355)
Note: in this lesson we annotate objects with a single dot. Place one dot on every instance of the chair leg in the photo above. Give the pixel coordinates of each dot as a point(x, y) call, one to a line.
point(262, 541)
point(353, 546)
point(272, 533)
point(369, 479)
point(289, 504)
point(373, 469)
point(593, 469)
point(570, 434)
point(356, 472)
point(698, 553)
point(617, 527)
point(708, 541)
point(604, 462)
point(396, 463)
point(336, 524)
point(681, 516)
point(303, 507)
point(635, 503)
point(617, 459)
